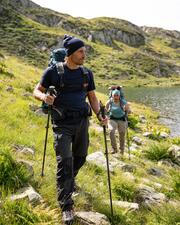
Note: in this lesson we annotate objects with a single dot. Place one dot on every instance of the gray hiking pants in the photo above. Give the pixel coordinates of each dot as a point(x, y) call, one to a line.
point(71, 145)
point(121, 126)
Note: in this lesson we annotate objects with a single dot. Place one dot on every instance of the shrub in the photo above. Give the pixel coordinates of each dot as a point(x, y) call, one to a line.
point(132, 121)
point(176, 140)
point(17, 213)
point(13, 175)
point(157, 152)
point(124, 189)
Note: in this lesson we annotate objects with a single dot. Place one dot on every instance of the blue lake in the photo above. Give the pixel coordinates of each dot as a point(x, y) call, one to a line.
point(165, 100)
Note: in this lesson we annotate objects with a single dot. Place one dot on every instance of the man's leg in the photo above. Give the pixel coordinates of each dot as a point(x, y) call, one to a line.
point(65, 174)
point(80, 145)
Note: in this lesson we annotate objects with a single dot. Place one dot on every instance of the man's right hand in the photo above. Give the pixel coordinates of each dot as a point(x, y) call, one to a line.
point(49, 99)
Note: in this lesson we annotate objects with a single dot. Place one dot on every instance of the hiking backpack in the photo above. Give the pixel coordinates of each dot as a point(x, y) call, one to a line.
point(57, 59)
point(57, 55)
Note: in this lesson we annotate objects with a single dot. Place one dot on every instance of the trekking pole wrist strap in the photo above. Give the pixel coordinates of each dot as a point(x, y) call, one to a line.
point(99, 115)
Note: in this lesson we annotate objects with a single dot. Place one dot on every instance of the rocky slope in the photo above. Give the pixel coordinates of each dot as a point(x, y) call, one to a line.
point(32, 31)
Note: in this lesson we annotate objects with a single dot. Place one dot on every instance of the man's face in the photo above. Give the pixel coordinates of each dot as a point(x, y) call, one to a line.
point(79, 56)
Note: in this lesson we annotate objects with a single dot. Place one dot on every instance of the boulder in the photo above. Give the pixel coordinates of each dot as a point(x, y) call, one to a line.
point(27, 192)
point(147, 196)
point(23, 149)
point(91, 218)
point(155, 171)
point(137, 140)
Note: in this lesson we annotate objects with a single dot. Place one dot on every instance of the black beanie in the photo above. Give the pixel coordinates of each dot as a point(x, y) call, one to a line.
point(71, 44)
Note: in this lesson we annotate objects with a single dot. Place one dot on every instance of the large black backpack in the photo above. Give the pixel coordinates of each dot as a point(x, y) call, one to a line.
point(60, 70)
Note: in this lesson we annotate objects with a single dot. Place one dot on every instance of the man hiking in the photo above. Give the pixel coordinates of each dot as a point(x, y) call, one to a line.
point(70, 117)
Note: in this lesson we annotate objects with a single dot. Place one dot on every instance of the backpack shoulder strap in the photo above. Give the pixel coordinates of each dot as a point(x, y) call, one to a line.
point(60, 67)
point(60, 71)
point(85, 73)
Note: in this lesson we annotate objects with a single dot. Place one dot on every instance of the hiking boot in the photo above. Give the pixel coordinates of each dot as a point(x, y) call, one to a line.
point(68, 217)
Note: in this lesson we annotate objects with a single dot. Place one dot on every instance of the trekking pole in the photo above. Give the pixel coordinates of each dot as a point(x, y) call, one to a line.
point(102, 110)
point(50, 91)
point(127, 134)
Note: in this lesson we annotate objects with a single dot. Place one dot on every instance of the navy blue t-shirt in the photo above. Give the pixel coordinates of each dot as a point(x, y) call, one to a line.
point(72, 95)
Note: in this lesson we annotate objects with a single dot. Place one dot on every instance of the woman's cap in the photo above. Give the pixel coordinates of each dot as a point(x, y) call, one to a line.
point(116, 92)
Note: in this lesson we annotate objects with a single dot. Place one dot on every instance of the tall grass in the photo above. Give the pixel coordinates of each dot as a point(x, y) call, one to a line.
point(157, 152)
point(17, 213)
point(13, 175)
point(123, 188)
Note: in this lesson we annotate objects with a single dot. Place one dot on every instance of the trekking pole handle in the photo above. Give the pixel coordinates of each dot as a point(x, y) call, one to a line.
point(51, 91)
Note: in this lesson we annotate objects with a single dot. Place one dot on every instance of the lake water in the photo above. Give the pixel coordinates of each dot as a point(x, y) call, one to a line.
point(165, 100)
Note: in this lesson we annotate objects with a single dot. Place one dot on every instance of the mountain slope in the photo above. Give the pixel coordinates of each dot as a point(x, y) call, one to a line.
point(117, 49)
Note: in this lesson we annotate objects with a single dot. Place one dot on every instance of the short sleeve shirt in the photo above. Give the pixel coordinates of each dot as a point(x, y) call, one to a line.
point(71, 95)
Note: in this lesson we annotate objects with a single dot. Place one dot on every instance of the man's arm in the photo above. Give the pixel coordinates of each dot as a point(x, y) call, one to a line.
point(93, 102)
point(96, 107)
point(39, 93)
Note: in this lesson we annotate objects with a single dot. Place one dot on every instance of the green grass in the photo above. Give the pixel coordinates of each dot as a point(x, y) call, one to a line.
point(13, 175)
point(21, 213)
point(19, 125)
point(157, 152)
point(124, 189)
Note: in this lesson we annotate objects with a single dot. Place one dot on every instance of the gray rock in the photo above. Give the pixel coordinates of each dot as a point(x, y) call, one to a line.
point(164, 135)
point(142, 119)
point(98, 159)
point(137, 140)
point(133, 147)
point(166, 162)
point(91, 218)
point(23, 149)
point(174, 151)
point(147, 134)
point(27, 192)
point(147, 196)
point(10, 89)
point(130, 206)
point(128, 168)
point(155, 172)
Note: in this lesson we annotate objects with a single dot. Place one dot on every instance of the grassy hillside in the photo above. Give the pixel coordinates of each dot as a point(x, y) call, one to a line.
point(149, 64)
point(27, 36)
point(21, 126)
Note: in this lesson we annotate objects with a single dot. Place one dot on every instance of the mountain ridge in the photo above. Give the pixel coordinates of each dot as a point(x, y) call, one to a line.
point(124, 50)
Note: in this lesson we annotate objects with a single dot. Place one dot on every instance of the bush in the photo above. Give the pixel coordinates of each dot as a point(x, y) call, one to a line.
point(132, 121)
point(4, 70)
point(124, 189)
point(157, 152)
point(17, 213)
point(176, 140)
point(13, 175)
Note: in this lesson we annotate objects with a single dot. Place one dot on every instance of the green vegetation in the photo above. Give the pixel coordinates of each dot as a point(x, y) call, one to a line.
point(25, 43)
point(17, 214)
point(157, 152)
point(13, 175)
